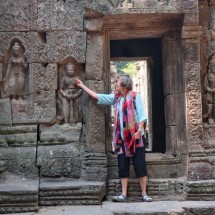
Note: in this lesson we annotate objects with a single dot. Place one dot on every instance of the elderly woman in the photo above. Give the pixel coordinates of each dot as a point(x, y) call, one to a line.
point(128, 130)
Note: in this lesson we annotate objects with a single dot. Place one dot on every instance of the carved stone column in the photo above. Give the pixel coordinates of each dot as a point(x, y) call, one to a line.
point(198, 167)
point(191, 64)
point(191, 59)
point(173, 93)
point(95, 158)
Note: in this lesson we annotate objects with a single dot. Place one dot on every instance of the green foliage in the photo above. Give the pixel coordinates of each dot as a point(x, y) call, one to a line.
point(128, 67)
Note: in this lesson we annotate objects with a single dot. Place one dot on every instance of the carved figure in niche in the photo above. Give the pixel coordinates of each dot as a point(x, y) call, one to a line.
point(210, 92)
point(69, 95)
point(14, 79)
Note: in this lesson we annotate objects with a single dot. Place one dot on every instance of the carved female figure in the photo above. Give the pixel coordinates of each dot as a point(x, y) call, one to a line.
point(210, 92)
point(14, 80)
point(69, 94)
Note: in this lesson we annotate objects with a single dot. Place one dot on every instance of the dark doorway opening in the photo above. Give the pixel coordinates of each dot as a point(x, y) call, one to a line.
point(147, 48)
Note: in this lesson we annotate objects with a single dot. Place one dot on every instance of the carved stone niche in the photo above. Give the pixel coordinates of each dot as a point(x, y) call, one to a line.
point(69, 102)
point(15, 70)
point(15, 80)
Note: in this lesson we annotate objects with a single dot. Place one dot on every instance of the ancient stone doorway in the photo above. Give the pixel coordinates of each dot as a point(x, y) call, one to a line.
point(151, 50)
point(158, 40)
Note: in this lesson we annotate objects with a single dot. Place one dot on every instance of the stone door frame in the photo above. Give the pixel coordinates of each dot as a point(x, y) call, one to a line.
point(183, 135)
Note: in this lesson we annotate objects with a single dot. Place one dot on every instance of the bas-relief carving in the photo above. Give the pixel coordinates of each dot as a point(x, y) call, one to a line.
point(15, 15)
point(69, 97)
point(95, 120)
point(41, 103)
point(44, 15)
point(209, 97)
point(6, 40)
point(18, 135)
point(59, 15)
point(67, 43)
point(57, 161)
point(57, 134)
point(15, 72)
point(96, 133)
point(43, 86)
point(20, 161)
point(67, 15)
point(49, 47)
point(143, 6)
point(199, 171)
point(95, 164)
point(15, 69)
point(191, 52)
point(42, 52)
point(193, 93)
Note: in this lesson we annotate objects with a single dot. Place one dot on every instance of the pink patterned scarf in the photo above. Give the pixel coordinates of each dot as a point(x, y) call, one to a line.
point(130, 125)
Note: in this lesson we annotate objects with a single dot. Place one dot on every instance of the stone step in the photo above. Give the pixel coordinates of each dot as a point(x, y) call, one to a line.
point(18, 195)
point(70, 192)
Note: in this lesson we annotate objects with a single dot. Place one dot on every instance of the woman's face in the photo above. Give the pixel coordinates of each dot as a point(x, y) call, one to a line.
point(118, 86)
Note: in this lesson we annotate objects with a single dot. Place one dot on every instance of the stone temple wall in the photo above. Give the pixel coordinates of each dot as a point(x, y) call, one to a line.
point(53, 138)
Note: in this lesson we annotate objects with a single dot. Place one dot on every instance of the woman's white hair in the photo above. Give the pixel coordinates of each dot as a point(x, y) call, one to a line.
point(126, 81)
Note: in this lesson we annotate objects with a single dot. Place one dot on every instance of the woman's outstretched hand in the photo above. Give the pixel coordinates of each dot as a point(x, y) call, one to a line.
point(78, 83)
